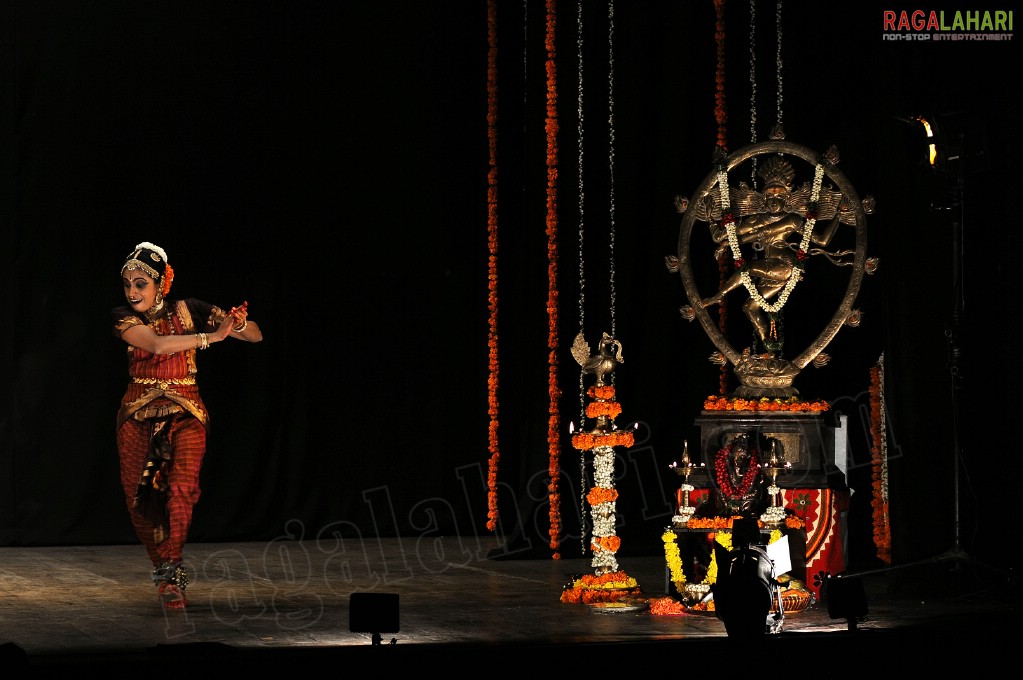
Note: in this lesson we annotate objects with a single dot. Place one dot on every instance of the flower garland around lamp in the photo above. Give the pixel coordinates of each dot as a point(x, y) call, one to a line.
point(775, 512)
point(605, 409)
point(493, 365)
point(609, 587)
point(554, 392)
point(685, 509)
point(609, 582)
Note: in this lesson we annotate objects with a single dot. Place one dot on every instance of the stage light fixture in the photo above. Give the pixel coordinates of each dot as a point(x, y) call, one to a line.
point(374, 613)
point(932, 145)
point(931, 137)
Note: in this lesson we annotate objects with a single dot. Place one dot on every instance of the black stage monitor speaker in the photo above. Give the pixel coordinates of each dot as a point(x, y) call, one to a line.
point(846, 598)
point(373, 613)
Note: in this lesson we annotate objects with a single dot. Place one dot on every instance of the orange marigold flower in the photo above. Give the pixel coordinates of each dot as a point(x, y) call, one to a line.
point(609, 543)
point(599, 494)
point(610, 409)
point(601, 392)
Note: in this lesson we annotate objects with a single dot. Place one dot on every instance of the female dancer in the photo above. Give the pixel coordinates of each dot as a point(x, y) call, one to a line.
point(162, 421)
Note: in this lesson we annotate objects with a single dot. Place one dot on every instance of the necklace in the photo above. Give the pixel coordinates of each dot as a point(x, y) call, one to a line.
point(724, 479)
point(733, 241)
point(154, 312)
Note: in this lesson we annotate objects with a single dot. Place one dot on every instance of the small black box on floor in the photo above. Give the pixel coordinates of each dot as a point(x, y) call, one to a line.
point(373, 613)
point(846, 597)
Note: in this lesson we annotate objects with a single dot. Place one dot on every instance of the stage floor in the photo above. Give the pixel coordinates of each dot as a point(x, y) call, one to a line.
point(285, 604)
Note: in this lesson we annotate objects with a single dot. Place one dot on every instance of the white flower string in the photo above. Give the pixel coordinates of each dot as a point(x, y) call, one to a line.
point(603, 514)
point(753, 84)
point(611, 162)
point(777, 58)
point(804, 244)
point(582, 261)
point(604, 542)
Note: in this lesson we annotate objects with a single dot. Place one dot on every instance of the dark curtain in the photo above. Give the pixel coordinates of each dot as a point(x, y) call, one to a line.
point(327, 162)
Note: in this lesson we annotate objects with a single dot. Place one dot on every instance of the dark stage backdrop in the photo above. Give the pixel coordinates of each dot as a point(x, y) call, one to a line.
point(327, 162)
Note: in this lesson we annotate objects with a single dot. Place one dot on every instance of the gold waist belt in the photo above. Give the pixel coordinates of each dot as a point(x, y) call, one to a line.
point(164, 383)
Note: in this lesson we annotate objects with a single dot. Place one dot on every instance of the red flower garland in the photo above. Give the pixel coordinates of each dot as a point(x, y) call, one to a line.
point(492, 381)
point(724, 481)
point(721, 117)
point(720, 110)
point(554, 393)
point(879, 501)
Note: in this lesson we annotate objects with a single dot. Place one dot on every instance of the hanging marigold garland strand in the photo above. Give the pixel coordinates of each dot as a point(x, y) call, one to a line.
point(493, 365)
point(721, 118)
point(879, 461)
point(554, 392)
point(720, 110)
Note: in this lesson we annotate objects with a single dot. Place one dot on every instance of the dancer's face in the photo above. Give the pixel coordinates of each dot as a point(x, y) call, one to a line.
point(139, 289)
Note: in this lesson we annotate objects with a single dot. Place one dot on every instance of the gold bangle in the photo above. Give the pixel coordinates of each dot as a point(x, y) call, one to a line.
point(245, 324)
point(204, 341)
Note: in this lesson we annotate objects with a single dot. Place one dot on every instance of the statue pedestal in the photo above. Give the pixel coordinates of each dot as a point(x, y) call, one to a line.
point(813, 487)
point(807, 444)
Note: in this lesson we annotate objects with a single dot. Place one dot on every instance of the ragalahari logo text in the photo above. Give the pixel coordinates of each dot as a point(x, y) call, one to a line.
point(933, 25)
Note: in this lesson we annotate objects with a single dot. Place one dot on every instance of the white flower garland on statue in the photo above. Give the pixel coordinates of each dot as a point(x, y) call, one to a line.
point(733, 241)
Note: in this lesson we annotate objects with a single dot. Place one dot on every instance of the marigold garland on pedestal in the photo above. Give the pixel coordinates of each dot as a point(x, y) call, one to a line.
point(609, 587)
point(792, 522)
point(493, 365)
point(714, 403)
point(554, 392)
point(879, 460)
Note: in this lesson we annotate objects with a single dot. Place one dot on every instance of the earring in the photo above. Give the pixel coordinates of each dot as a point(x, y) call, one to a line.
point(159, 298)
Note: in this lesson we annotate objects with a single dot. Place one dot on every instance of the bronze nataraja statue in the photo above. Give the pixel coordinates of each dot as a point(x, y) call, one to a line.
point(772, 235)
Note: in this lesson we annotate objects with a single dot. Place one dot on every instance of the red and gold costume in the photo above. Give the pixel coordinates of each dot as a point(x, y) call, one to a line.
point(161, 428)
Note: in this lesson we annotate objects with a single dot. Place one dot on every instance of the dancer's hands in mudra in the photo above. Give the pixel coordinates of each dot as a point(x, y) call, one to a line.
point(236, 322)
